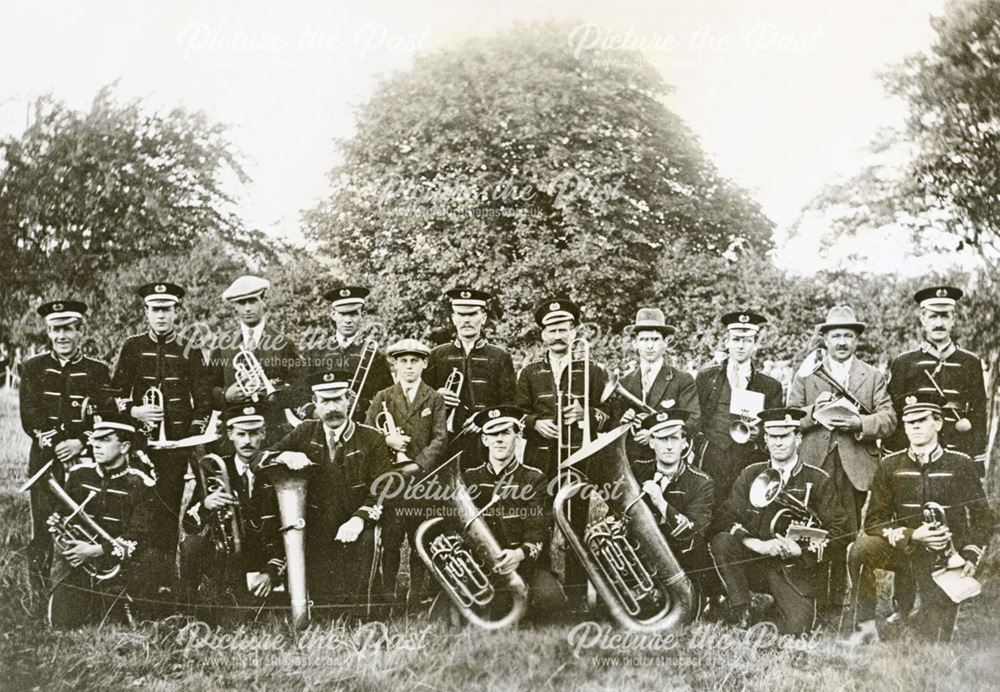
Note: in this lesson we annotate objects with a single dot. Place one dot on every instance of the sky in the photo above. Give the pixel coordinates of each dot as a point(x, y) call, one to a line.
point(783, 94)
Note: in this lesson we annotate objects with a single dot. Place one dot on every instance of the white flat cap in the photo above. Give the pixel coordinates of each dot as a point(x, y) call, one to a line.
point(246, 286)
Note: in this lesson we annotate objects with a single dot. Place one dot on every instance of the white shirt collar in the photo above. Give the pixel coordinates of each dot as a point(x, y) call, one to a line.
point(558, 363)
point(333, 435)
point(787, 469)
point(252, 335)
point(840, 371)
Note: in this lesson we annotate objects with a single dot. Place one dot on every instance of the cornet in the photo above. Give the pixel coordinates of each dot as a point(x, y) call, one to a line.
point(252, 380)
point(154, 397)
point(387, 426)
point(454, 385)
point(744, 429)
point(948, 557)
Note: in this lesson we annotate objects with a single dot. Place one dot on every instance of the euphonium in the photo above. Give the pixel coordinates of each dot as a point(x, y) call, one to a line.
point(795, 520)
point(463, 562)
point(227, 522)
point(154, 397)
point(625, 555)
point(387, 426)
point(251, 378)
point(360, 377)
point(454, 385)
point(290, 486)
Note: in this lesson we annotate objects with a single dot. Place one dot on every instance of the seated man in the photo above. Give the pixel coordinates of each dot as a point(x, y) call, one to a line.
point(752, 550)
point(119, 498)
point(901, 531)
point(512, 499)
point(680, 495)
point(224, 528)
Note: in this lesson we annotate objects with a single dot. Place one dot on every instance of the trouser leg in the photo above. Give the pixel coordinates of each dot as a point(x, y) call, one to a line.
point(171, 465)
point(733, 560)
point(796, 609)
point(864, 556)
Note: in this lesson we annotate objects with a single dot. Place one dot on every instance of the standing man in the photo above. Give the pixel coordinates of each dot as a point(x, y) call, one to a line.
point(274, 351)
point(953, 373)
point(722, 391)
point(347, 305)
point(654, 382)
point(747, 552)
point(56, 389)
point(553, 388)
point(160, 359)
point(844, 443)
point(487, 370)
point(903, 531)
point(342, 508)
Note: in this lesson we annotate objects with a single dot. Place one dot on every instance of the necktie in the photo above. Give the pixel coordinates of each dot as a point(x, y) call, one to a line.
point(248, 481)
point(647, 380)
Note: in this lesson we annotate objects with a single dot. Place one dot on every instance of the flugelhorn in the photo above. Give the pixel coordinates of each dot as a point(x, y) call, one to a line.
point(154, 397)
point(463, 562)
point(290, 485)
point(227, 522)
point(795, 520)
point(251, 378)
point(360, 377)
point(387, 426)
point(454, 385)
point(625, 555)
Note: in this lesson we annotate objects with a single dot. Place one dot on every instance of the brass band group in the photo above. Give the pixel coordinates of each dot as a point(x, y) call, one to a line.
point(256, 481)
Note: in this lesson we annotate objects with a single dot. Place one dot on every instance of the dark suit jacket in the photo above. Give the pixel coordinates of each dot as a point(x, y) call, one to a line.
point(669, 384)
point(711, 385)
point(423, 420)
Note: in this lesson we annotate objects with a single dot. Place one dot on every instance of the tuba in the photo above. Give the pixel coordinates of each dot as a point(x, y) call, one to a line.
point(454, 384)
point(625, 555)
point(360, 377)
point(794, 520)
point(463, 562)
point(290, 483)
point(252, 380)
point(227, 522)
point(154, 397)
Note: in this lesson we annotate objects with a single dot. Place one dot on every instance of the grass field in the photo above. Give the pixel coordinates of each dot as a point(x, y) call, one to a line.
point(180, 654)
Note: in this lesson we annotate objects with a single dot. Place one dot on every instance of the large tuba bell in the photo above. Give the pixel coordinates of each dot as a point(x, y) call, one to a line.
point(227, 522)
point(625, 555)
point(252, 380)
point(795, 520)
point(288, 474)
point(463, 562)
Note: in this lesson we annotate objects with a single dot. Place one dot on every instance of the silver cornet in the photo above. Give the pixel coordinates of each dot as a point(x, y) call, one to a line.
point(387, 426)
point(154, 397)
point(252, 380)
point(744, 429)
point(454, 385)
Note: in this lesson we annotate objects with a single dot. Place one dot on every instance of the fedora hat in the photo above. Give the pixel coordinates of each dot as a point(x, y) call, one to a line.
point(651, 319)
point(841, 317)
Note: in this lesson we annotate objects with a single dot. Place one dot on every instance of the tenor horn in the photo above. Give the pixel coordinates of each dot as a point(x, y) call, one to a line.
point(625, 555)
point(227, 522)
point(462, 562)
point(454, 385)
point(252, 380)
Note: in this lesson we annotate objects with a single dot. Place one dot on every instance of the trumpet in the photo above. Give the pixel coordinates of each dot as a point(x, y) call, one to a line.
point(252, 380)
point(227, 522)
point(154, 397)
point(360, 377)
point(626, 557)
point(454, 385)
point(948, 557)
point(387, 426)
point(463, 562)
point(744, 429)
point(795, 520)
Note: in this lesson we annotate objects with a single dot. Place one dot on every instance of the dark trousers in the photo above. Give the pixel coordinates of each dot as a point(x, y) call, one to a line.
point(852, 501)
point(43, 504)
point(398, 528)
point(343, 578)
point(868, 553)
point(170, 466)
point(742, 570)
point(725, 465)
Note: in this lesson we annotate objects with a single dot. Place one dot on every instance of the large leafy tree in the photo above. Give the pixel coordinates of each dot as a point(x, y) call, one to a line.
point(514, 164)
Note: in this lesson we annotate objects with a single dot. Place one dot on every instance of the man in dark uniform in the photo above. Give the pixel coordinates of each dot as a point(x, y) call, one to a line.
point(418, 444)
point(119, 497)
point(274, 351)
point(344, 461)
point(238, 576)
point(899, 532)
point(680, 495)
point(722, 457)
point(654, 381)
point(544, 392)
point(955, 374)
point(515, 505)
point(160, 359)
point(746, 551)
point(57, 387)
point(488, 371)
point(344, 351)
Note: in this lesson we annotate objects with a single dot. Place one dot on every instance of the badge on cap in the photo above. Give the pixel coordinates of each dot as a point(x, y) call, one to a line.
point(494, 413)
point(942, 293)
point(248, 411)
point(660, 417)
point(345, 292)
point(911, 400)
point(744, 318)
point(160, 288)
point(554, 306)
point(57, 306)
point(329, 377)
point(465, 294)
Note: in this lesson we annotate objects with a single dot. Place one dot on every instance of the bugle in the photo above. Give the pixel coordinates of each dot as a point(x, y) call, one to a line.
point(252, 380)
point(454, 385)
point(624, 554)
point(227, 522)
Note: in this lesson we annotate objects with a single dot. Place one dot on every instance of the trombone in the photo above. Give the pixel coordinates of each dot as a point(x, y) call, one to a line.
point(579, 350)
point(252, 380)
point(454, 385)
point(360, 377)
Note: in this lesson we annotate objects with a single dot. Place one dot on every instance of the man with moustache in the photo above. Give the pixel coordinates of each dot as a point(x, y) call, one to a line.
point(654, 381)
point(543, 389)
point(347, 306)
point(343, 461)
point(57, 388)
point(274, 351)
point(745, 549)
point(722, 457)
point(243, 577)
point(939, 364)
point(845, 446)
point(160, 358)
point(488, 370)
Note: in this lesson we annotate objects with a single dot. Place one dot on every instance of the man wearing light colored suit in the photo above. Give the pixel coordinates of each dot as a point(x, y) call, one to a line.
point(847, 449)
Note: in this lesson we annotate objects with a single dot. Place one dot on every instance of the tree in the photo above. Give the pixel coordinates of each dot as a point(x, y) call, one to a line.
point(83, 193)
point(514, 164)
